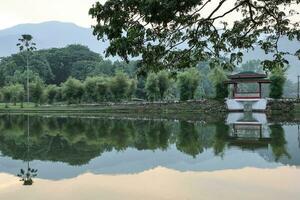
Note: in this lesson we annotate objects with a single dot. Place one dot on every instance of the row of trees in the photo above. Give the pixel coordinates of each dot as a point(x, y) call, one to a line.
point(105, 88)
point(74, 91)
point(158, 86)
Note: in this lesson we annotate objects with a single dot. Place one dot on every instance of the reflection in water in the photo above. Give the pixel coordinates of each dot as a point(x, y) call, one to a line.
point(251, 131)
point(88, 157)
point(161, 183)
point(117, 146)
point(28, 174)
point(298, 135)
point(278, 142)
point(78, 140)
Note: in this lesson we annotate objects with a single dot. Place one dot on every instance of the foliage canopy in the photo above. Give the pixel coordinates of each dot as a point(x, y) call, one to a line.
point(180, 33)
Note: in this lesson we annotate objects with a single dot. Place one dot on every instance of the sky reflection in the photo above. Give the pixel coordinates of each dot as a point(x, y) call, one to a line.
point(163, 183)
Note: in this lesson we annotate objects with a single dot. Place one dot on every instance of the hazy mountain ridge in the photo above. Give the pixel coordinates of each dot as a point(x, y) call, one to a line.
point(48, 35)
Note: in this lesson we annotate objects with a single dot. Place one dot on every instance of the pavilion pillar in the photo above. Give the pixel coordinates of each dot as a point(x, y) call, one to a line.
point(234, 89)
point(260, 91)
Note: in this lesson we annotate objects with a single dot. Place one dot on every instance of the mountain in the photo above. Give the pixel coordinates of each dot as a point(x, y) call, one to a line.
point(284, 45)
point(48, 35)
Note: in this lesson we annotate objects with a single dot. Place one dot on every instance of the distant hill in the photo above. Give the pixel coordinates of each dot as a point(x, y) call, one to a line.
point(48, 35)
point(284, 45)
point(58, 34)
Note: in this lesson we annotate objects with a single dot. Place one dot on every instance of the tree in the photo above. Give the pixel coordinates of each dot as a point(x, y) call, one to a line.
point(90, 89)
point(17, 93)
point(36, 88)
point(83, 69)
point(13, 93)
point(173, 33)
point(131, 89)
point(6, 95)
point(140, 88)
point(277, 83)
point(163, 83)
point(188, 82)
point(151, 87)
point(26, 44)
point(97, 88)
point(217, 76)
point(103, 90)
point(253, 66)
point(157, 85)
point(51, 93)
point(119, 85)
point(72, 90)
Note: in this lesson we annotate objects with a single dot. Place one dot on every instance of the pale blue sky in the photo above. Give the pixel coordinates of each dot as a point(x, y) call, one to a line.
point(13, 12)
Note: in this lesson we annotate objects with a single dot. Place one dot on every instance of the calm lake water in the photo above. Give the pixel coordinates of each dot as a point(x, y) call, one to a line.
point(243, 157)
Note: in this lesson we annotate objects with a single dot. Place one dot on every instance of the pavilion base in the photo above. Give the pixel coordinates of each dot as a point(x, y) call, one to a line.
point(246, 118)
point(242, 105)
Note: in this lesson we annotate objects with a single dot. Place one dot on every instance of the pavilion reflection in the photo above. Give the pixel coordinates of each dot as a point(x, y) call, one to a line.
point(248, 130)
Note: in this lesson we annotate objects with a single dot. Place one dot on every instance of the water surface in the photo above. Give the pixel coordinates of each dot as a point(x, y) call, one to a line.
point(242, 157)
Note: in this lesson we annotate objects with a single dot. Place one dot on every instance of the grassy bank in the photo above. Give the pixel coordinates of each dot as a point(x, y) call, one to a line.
point(207, 106)
point(175, 110)
point(204, 106)
point(204, 110)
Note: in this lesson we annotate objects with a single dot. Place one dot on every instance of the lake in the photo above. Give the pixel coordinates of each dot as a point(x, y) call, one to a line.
point(87, 157)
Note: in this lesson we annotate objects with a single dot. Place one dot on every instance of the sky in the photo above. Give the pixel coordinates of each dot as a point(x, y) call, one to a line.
point(13, 12)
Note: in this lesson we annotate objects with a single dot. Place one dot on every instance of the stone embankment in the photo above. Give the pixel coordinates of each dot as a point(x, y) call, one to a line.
point(281, 105)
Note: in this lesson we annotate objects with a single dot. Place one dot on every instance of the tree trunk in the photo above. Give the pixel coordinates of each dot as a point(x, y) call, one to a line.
point(27, 69)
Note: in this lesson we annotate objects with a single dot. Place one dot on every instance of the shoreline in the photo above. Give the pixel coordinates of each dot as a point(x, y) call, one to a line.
point(200, 110)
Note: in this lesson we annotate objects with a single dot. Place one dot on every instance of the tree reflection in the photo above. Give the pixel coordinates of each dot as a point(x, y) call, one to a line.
point(188, 140)
point(278, 142)
point(76, 140)
point(221, 138)
point(28, 174)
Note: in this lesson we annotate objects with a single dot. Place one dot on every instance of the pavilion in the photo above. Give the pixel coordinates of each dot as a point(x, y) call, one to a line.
point(247, 91)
